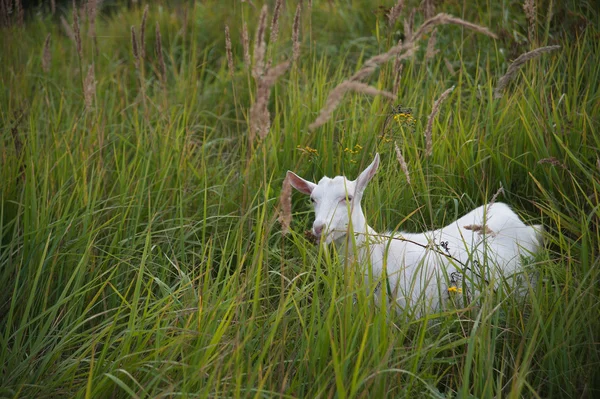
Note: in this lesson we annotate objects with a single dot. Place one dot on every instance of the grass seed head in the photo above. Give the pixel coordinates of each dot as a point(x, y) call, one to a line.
point(143, 33)
point(518, 63)
point(246, 45)
point(47, 55)
point(159, 55)
point(296, 33)
point(77, 31)
point(402, 162)
point(228, 50)
point(395, 12)
point(429, 129)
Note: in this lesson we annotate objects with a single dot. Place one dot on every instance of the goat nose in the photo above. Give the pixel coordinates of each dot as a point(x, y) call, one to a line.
point(318, 229)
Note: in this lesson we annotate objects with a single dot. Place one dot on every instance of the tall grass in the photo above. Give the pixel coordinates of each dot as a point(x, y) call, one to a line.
point(141, 254)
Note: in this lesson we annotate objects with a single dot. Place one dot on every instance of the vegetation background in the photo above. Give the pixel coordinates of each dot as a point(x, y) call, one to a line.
point(141, 253)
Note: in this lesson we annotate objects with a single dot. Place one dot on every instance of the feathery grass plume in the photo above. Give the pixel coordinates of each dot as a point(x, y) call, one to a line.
point(529, 8)
point(429, 129)
point(134, 48)
point(428, 8)
point(89, 88)
point(260, 46)
point(68, 29)
point(494, 197)
point(481, 229)
point(398, 67)
point(285, 206)
point(246, 45)
point(260, 118)
point(77, 31)
point(444, 19)
point(518, 63)
point(408, 47)
point(408, 26)
point(449, 66)
point(92, 12)
point(402, 162)
point(552, 161)
point(228, 50)
point(431, 50)
point(337, 94)
point(46, 55)
point(20, 12)
point(159, 55)
point(395, 12)
point(143, 33)
point(296, 33)
point(275, 22)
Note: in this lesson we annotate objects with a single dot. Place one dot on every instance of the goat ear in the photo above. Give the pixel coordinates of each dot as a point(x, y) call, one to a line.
point(367, 174)
point(304, 186)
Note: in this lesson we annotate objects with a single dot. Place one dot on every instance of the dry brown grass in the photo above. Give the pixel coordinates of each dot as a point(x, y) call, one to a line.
point(431, 50)
point(143, 33)
point(395, 12)
point(402, 162)
point(246, 45)
point(530, 13)
point(285, 206)
point(159, 54)
point(228, 51)
point(134, 48)
point(429, 128)
point(89, 88)
point(518, 63)
point(77, 32)
point(46, 55)
point(296, 33)
point(399, 52)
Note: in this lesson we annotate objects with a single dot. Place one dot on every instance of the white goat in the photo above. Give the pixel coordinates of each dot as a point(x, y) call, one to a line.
point(485, 244)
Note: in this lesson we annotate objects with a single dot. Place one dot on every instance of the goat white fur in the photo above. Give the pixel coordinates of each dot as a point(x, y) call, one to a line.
point(485, 244)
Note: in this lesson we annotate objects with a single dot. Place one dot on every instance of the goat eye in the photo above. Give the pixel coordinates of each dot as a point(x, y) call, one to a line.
point(314, 201)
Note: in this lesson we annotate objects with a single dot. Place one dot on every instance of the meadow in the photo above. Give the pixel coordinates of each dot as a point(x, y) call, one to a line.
point(148, 249)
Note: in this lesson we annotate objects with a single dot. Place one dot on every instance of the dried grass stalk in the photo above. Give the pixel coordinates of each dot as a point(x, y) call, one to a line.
point(228, 50)
point(134, 48)
point(429, 129)
point(518, 63)
point(89, 88)
point(449, 66)
point(408, 26)
point(494, 197)
point(260, 47)
point(47, 55)
point(92, 13)
point(296, 33)
point(77, 31)
point(337, 94)
point(395, 12)
point(143, 33)
point(260, 118)
point(428, 8)
point(530, 13)
point(402, 162)
point(481, 229)
point(68, 29)
point(444, 19)
point(431, 50)
point(552, 161)
point(398, 67)
point(285, 206)
point(159, 55)
point(20, 12)
point(275, 22)
point(53, 6)
point(246, 45)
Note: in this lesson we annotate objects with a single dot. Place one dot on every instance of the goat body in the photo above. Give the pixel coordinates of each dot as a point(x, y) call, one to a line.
point(481, 246)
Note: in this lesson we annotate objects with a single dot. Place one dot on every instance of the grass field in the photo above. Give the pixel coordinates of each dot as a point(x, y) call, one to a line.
point(141, 253)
